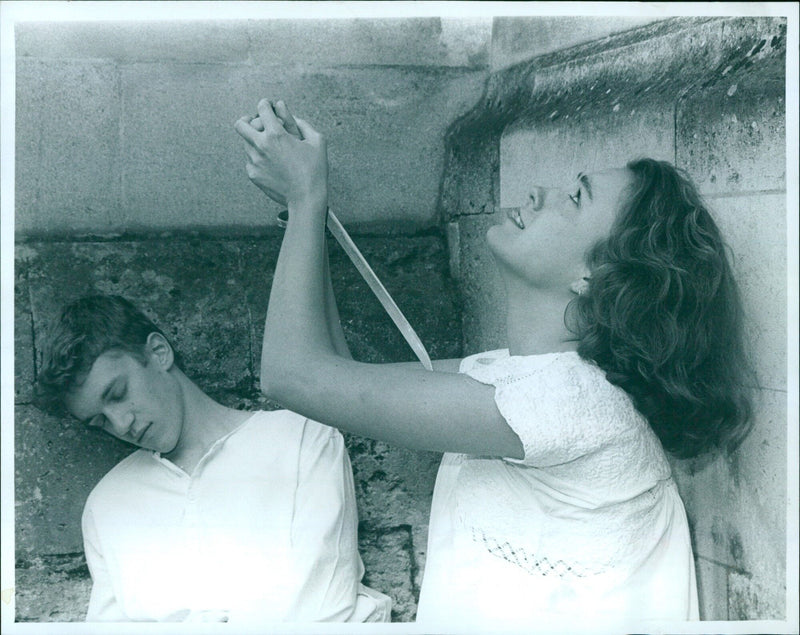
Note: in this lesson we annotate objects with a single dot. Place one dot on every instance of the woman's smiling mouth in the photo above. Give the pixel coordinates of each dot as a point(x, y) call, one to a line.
point(514, 214)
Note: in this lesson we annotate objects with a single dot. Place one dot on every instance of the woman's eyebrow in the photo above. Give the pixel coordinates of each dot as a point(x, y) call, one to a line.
point(586, 182)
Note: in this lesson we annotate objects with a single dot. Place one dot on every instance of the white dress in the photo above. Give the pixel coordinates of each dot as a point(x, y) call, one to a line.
point(589, 526)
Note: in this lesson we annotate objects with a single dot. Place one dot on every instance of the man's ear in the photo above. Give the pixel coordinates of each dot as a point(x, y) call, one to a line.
point(159, 349)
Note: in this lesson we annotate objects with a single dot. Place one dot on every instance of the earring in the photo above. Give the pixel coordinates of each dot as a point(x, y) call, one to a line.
point(580, 287)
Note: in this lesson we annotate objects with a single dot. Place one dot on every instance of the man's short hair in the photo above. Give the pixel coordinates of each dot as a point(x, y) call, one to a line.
point(87, 328)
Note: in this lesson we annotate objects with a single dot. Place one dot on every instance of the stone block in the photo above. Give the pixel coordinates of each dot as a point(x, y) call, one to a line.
point(194, 41)
point(482, 289)
point(189, 288)
point(388, 564)
point(732, 136)
point(24, 350)
point(67, 145)
point(57, 463)
point(551, 154)
point(736, 506)
point(185, 165)
point(749, 601)
point(519, 38)
point(755, 227)
point(419, 41)
point(53, 589)
point(394, 485)
point(712, 589)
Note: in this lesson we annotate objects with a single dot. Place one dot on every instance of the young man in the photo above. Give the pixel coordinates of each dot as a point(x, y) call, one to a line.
point(220, 515)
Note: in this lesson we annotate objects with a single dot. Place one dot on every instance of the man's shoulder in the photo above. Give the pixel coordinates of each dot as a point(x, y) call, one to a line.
point(286, 423)
point(125, 474)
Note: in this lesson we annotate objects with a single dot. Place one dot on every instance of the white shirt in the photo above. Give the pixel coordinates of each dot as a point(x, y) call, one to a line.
point(588, 526)
point(264, 530)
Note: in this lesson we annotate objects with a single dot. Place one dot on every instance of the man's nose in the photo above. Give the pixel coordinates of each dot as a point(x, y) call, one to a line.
point(120, 419)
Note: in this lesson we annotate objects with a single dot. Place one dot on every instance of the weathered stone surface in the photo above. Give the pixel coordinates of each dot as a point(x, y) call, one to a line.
point(389, 567)
point(24, 371)
point(67, 144)
point(755, 228)
point(712, 589)
point(190, 289)
point(144, 41)
point(386, 42)
point(57, 463)
point(149, 134)
point(283, 41)
point(594, 139)
point(753, 600)
point(53, 589)
point(519, 38)
point(383, 126)
point(732, 136)
point(737, 509)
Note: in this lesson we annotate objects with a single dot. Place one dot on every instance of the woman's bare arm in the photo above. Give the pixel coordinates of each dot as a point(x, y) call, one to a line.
point(301, 367)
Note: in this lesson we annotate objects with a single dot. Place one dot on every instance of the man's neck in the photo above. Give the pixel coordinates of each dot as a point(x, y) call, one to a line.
point(205, 422)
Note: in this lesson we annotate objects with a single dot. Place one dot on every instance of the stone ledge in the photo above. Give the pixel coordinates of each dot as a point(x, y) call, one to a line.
point(658, 63)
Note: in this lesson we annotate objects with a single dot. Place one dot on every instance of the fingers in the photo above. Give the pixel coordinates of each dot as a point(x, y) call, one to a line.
point(289, 124)
point(246, 131)
point(306, 129)
point(268, 119)
point(256, 123)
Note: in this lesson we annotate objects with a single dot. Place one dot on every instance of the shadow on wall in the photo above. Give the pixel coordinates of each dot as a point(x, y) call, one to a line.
point(211, 296)
point(706, 94)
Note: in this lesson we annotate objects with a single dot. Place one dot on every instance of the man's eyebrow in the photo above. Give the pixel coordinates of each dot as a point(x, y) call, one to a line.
point(586, 182)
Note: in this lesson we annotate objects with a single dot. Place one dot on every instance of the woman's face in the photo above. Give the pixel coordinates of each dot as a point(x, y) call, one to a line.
point(546, 242)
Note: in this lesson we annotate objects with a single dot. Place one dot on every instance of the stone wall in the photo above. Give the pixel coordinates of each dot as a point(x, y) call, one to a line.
point(130, 179)
point(708, 95)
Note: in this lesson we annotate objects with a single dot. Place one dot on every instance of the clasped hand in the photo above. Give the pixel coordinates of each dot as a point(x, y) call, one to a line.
point(287, 158)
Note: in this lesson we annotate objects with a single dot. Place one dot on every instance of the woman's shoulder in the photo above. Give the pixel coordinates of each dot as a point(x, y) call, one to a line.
point(499, 367)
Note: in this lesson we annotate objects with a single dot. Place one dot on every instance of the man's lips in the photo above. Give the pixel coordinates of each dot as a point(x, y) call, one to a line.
point(140, 435)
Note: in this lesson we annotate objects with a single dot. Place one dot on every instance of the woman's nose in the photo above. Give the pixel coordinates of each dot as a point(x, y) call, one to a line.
point(537, 195)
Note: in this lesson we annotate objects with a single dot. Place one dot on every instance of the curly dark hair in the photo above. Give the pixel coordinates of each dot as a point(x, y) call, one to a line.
point(87, 328)
point(662, 315)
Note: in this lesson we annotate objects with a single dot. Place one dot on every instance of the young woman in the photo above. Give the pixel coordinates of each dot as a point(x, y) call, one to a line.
point(554, 498)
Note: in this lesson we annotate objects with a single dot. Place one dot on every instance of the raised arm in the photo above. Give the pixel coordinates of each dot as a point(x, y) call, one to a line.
point(301, 368)
point(331, 309)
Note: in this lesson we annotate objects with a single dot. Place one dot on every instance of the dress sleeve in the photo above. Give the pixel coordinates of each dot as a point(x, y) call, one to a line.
point(560, 406)
point(324, 532)
point(103, 605)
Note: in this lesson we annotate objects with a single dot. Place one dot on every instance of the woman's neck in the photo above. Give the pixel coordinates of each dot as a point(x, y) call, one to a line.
point(535, 320)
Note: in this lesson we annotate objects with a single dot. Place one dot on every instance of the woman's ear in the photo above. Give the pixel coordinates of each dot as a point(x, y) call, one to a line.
point(160, 351)
point(581, 284)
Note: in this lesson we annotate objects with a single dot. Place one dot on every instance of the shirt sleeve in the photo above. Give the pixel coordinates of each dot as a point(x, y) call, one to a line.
point(103, 605)
point(324, 530)
point(560, 406)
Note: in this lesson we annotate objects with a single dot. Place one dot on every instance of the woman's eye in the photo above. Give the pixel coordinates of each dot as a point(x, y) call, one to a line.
point(119, 393)
point(576, 198)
